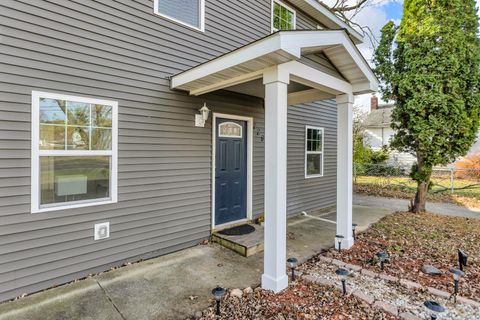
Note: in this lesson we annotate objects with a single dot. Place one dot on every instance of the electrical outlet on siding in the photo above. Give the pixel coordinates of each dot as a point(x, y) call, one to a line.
point(101, 231)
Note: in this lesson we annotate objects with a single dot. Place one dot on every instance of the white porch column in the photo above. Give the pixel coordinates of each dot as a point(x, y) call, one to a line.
point(344, 168)
point(274, 275)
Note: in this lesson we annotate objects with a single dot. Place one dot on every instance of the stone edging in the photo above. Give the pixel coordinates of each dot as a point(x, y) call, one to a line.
point(378, 304)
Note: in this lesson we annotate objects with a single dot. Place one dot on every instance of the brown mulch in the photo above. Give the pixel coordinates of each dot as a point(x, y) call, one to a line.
point(400, 193)
point(298, 301)
point(413, 240)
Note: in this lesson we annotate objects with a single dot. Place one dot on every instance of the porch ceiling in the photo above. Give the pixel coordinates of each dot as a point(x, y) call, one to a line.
point(251, 61)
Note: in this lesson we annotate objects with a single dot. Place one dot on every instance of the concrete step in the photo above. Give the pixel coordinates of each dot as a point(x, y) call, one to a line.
point(246, 245)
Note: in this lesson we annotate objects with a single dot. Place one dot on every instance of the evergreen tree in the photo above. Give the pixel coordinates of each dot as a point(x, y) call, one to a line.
point(430, 67)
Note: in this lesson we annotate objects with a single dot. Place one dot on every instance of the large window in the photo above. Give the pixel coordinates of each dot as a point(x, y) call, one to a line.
point(313, 152)
point(187, 12)
point(283, 17)
point(74, 151)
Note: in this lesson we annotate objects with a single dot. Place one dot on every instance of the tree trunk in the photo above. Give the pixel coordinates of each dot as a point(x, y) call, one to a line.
point(420, 197)
point(423, 181)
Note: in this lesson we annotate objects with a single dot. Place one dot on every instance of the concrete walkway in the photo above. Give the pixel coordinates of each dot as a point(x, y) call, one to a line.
point(177, 285)
point(402, 205)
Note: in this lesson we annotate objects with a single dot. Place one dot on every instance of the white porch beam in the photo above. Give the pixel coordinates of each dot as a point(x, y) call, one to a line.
point(307, 96)
point(344, 168)
point(275, 242)
point(315, 78)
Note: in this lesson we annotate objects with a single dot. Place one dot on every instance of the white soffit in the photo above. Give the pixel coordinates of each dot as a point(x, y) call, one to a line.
point(321, 13)
point(249, 62)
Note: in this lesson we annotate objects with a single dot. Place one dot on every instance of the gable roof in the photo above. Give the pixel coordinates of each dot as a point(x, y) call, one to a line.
point(379, 118)
point(322, 13)
point(248, 62)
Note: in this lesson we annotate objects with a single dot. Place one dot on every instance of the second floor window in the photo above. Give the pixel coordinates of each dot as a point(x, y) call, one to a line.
point(283, 17)
point(187, 12)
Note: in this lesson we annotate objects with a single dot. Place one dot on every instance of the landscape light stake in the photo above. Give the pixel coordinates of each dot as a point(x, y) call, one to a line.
point(339, 237)
point(343, 273)
point(292, 263)
point(218, 293)
point(354, 227)
point(434, 308)
point(462, 259)
point(382, 255)
point(457, 274)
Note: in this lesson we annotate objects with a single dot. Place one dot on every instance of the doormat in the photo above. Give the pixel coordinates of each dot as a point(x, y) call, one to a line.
point(238, 231)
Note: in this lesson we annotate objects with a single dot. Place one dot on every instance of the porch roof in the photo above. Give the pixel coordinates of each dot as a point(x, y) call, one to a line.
point(281, 48)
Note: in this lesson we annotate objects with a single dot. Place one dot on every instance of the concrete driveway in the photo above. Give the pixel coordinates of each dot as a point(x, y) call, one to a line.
point(177, 285)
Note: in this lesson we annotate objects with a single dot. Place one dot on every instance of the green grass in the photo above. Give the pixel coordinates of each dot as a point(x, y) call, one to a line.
point(440, 185)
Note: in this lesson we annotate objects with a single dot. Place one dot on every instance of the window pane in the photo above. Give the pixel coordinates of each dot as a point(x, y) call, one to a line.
point(276, 22)
point(52, 111)
point(314, 166)
point(66, 179)
point(101, 139)
point(78, 113)
point(52, 137)
point(187, 11)
point(78, 138)
point(101, 116)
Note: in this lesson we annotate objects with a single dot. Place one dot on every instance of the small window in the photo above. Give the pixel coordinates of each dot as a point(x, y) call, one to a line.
point(230, 130)
point(313, 152)
point(283, 17)
point(187, 12)
point(74, 155)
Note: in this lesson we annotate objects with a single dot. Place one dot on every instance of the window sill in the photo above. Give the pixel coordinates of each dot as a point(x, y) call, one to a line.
point(73, 205)
point(314, 176)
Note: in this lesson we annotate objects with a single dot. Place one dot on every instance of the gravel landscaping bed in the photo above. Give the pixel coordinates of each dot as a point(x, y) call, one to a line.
point(415, 240)
point(403, 299)
point(299, 301)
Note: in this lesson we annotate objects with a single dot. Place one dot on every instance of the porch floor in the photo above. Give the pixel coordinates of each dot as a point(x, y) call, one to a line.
point(177, 285)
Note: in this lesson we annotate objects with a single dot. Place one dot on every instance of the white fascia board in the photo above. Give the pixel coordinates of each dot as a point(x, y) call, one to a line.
point(331, 20)
point(250, 52)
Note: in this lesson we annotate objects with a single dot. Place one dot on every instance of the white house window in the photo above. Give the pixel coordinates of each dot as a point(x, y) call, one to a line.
point(283, 17)
point(74, 151)
point(313, 152)
point(187, 12)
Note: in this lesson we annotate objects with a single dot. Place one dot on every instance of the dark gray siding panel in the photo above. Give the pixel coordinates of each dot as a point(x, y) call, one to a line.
point(119, 50)
point(313, 193)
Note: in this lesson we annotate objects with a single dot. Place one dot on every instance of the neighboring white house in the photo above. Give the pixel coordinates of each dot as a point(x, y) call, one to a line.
point(378, 133)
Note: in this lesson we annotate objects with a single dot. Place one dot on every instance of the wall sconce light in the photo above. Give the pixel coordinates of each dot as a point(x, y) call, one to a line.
point(201, 118)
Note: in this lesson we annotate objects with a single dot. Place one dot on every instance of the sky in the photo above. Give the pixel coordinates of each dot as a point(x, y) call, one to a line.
point(375, 15)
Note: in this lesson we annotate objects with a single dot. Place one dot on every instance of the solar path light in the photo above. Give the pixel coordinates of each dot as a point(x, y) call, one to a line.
point(434, 308)
point(457, 274)
point(382, 255)
point(218, 293)
point(292, 263)
point(462, 259)
point(343, 273)
point(339, 238)
point(354, 227)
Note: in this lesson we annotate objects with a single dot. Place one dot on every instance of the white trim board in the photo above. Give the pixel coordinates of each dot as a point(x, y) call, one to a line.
point(249, 121)
point(36, 153)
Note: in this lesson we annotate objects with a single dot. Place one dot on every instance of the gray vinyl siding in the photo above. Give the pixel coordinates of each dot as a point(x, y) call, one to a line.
point(119, 50)
point(318, 192)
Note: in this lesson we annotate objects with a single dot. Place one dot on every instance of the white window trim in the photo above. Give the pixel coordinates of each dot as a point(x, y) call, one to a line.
point(307, 176)
point(286, 6)
point(36, 153)
point(202, 16)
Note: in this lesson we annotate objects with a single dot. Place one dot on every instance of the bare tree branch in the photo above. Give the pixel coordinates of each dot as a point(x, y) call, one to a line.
point(345, 8)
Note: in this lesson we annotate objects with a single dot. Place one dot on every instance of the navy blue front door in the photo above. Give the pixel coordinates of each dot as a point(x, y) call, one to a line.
point(230, 171)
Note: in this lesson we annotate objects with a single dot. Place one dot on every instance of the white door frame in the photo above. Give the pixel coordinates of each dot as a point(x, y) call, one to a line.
point(249, 121)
